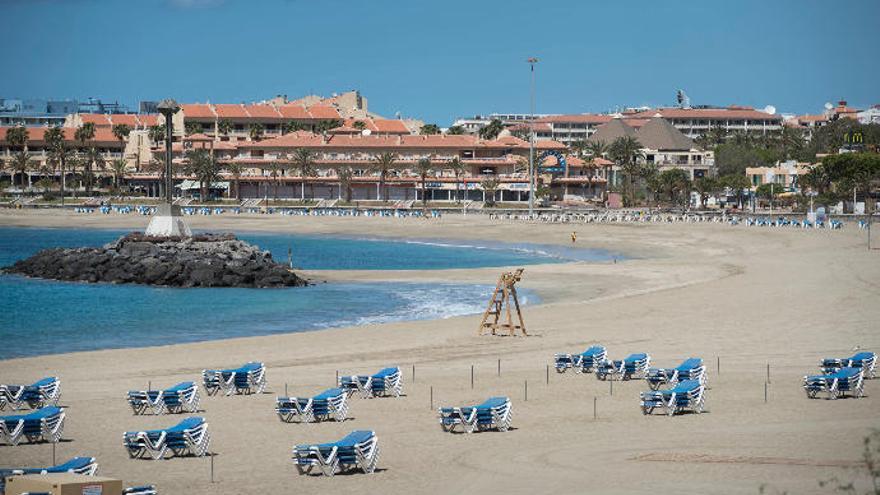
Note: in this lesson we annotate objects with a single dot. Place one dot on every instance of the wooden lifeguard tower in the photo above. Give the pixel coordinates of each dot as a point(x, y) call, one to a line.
point(500, 303)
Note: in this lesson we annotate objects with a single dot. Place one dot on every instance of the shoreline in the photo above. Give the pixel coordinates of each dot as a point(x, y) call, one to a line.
point(745, 297)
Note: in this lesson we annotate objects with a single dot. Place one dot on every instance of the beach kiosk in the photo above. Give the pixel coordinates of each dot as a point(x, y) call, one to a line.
point(63, 484)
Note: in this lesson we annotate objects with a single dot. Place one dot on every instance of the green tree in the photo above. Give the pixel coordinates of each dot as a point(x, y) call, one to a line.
point(458, 168)
point(429, 129)
point(706, 186)
point(676, 184)
point(626, 151)
point(225, 127)
point(304, 162)
point(382, 163)
point(121, 132)
point(291, 126)
point(491, 130)
point(359, 125)
point(203, 167)
point(190, 128)
point(118, 167)
point(424, 167)
point(737, 184)
point(275, 175)
point(94, 160)
point(324, 126)
point(84, 135)
point(344, 174)
point(59, 153)
point(22, 163)
point(256, 131)
point(235, 169)
point(156, 133)
point(455, 130)
point(490, 186)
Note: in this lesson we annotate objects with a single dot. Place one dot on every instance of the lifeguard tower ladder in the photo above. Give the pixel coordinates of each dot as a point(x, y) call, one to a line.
point(500, 304)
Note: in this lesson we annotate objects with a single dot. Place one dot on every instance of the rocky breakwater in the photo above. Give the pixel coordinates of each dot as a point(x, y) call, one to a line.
point(208, 260)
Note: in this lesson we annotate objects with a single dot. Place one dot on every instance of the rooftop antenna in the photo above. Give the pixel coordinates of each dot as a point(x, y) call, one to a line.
point(682, 98)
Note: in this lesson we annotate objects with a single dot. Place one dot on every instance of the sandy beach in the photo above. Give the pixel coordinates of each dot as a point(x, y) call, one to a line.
point(742, 297)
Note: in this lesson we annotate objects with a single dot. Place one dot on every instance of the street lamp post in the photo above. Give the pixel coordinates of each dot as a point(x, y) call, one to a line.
point(167, 221)
point(532, 61)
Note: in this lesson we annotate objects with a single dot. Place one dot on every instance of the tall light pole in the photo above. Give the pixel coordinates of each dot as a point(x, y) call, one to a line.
point(532, 61)
point(167, 220)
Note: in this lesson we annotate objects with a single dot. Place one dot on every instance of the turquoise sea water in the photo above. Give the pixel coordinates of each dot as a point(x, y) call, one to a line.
point(45, 317)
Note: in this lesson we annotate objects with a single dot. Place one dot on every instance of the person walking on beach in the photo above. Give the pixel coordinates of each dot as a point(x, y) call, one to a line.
point(574, 237)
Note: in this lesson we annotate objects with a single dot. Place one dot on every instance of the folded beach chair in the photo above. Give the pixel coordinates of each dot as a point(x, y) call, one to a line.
point(331, 403)
point(686, 395)
point(388, 381)
point(78, 465)
point(689, 369)
point(864, 360)
point(837, 384)
point(249, 379)
point(41, 394)
point(183, 397)
point(494, 413)
point(189, 436)
point(46, 424)
point(584, 362)
point(633, 366)
point(358, 450)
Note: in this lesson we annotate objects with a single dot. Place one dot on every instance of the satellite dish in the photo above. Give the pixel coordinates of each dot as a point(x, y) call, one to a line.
point(828, 106)
point(770, 109)
point(366, 132)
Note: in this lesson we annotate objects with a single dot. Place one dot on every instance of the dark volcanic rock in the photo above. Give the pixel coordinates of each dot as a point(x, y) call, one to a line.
point(208, 260)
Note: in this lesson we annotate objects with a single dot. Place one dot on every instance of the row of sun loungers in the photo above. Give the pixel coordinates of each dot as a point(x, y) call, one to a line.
point(841, 377)
point(384, 383)
point(39, 394)
point(248, 379)
point(357, 450)
point(494, 413)
point(79, 465)
point(329, 404)
point(687, 395)
point(46, 425)
point(183, 397)
point(190, 436)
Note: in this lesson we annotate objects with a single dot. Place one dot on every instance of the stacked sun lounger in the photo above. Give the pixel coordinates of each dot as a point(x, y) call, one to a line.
point(40, 394)
point(687, 395)
point(183, 397)
point(633, 366)
point(78, 465)
point(689, 369)
point(387, 382)
point(140, 490)
point(837, 384)
point(496, 413)
point(357, 450)
point(864, 360)
point(584, 362)
point(249, 379)
point(46, 424)
point(190, 436)
point(329, 404)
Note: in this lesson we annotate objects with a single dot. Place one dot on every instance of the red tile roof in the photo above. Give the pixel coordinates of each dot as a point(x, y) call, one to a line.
point(735, 113)
point(293, 140)
point(263, 112)
point(197, 111)
point(103, 136)
point(293, 111)
point(323, 112)
point(129, 119)
point(149, 119)
point(390, 126)
point(230, 111)
point(99, 119)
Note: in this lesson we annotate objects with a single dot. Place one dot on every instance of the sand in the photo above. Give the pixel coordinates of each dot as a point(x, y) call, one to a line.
point(746, 296)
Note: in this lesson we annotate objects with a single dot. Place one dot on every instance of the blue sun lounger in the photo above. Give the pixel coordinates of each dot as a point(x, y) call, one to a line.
point(40, 394)
point(189, 436)
point(387, 382)
point(249, 379)
point(864, 360)
point(46, 424)
point(140, 490)
point(838, 384)
point(584, 362)
point(496, 412)
point(686, 395)
point(689, 369)
point(331, 403)
point(79, 465)
point(358, 450)
point(183, 397)
point(633, 366)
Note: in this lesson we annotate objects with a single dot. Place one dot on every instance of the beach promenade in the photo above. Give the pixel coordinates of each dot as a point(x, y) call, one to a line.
point(737, 297)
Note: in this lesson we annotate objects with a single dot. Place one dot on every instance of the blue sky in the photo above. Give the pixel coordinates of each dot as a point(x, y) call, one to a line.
point(439, 60)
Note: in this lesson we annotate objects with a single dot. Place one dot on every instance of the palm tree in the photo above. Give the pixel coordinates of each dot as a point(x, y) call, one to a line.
point(344, 174)
point(490, 185)
point(157, 164)
point(580, 148)
point(59, 153)
point(291, 126)
point(256, 131)
point(359, 125)
point(382, 163)
point(274, 174)
point(675, 181)
point(424, 167)
point(191, 128)
point(17, 137)
point(94, 160)
point(118, 167)
point(224, 127)
point(739, 183)
point(458, 169)
point(455, 130)
point(325, 125)
point(202, 165)
point(304, 162)
point(235, 169)
point(156, 133)
point(626, 152)
point(705, 186)
point(22, 163)
point(121, 132)
point(491, 130)
point(429, 129)
point(85, 134)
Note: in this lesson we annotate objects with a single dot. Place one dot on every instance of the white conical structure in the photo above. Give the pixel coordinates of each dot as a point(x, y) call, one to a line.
point(167, 222)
